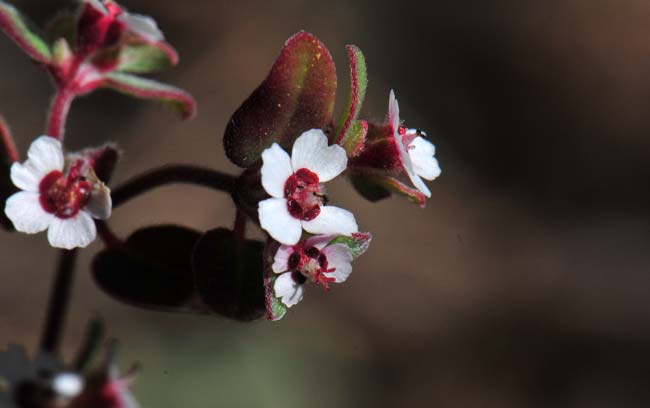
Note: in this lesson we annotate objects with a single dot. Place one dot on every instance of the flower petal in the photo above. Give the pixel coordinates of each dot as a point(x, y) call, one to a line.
point(143, 26)
point(281, 259)
point(275, 170)
point(69, 233)
point(318, 241)
point(422, 156)
point(100, 204)
point(25, 177)
point(45, 155)
point(310, 151)
point(340, 258)
point(288, 290)
point(276, 220)
point(25, 211)
point(393, 112)
point(97, 5)
point(332, 220)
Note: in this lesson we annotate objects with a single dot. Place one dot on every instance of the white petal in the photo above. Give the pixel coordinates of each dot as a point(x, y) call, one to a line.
point(68, 385)
point(98, 5)
point(25, 177)
point(276, 220)
point(393, 112)
point(419, 184)
point(288, 290)
point(424, 163)
point(340, 258)
point(69, 233)
point(275, 170)
point(26, 213)
point(281, 259)
point(100, 203)
point(318, 241)
point(310, 151)
point(332, 220)
point(45, 155)
point(143, 26)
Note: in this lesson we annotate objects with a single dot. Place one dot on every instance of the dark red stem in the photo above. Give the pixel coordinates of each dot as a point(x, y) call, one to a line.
point(8, 141)
point(170, 174)
point(59, 301)
point(59, 112)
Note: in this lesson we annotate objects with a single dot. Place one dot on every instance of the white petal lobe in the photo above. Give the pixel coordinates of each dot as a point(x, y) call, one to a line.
point(78, 231)
point(289, 292)
point(422, 157)
point(45, 155)
point(311, 151)
point(393, 112)
point(25, 178)
point(100, 204)
point(338, 257)
point(276, 220)
point(281, 259)
point(332, 220)
point(276, 169)
point(143, 26)
point(26, 213)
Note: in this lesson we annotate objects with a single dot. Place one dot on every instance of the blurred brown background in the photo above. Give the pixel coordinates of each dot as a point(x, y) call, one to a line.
point(524, 283)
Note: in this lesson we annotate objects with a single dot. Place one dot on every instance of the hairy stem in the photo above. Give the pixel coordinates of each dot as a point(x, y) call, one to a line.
point(170, 174)
point(59, 300)
point(58, 115)
point(8, 141)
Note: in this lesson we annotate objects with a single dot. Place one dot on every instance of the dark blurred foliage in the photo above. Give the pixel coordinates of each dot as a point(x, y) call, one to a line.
point(525, 282)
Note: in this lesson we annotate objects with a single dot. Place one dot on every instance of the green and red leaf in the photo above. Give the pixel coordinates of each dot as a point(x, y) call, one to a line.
point(22, 32)
point(149, 89)
point(297, 95)
point(147, 58)
point(350, 133)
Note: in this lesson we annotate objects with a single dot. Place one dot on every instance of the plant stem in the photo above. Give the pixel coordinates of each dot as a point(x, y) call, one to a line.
point(58, 115)
point(59, 300)
point(239, 229)
point(8, 141)
point(106, 234)
point(170, 174)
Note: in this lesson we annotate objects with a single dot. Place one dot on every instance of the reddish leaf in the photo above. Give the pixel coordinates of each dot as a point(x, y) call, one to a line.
point(297, 95)
point(151, 269)
point(348, 132)
point(229, 275)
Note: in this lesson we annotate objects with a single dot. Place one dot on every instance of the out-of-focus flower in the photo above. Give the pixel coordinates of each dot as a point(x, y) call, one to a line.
point(103, 24)
point(106, 388)
point(62, 197)
point(392, 150)
point(298, 199)
point(314, 260)
point(41, 382)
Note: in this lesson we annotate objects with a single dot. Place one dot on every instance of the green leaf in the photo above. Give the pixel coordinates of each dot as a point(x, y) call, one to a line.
point(297, 95)
point(152, 269)
point(355, 138)
point(358, 243)
point(21, 31)
point(348, 132)
point(149, 89)
point(147, 58)
point(229, 275)
point(275, 309)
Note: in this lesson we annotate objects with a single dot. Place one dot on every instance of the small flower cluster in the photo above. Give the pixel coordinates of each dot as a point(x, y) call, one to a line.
point(299, 201)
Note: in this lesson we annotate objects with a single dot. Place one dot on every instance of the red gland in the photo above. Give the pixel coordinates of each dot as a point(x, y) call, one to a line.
point(303, 194)
point(64, 196)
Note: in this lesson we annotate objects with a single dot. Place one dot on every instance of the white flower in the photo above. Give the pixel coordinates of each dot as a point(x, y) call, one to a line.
point(312, 260)
point(62, 198)
point(416, 153)
point(298, 200)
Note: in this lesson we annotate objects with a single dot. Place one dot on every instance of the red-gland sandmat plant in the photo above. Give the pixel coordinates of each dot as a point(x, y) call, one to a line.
point(285, 138)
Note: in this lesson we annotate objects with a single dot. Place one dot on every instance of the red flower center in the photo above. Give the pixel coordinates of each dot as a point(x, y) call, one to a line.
point(310, 264)
point(64, 196)
point(303, 194)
